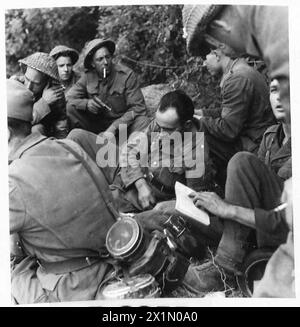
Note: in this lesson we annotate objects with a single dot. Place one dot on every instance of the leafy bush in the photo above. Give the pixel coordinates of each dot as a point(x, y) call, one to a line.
point(149, 40)
point(40, 29)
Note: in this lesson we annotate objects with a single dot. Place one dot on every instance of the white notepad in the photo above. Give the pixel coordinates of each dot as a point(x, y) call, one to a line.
point(185, 205)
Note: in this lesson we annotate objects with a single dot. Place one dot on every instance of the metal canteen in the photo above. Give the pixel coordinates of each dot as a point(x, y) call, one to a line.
point(125, 240)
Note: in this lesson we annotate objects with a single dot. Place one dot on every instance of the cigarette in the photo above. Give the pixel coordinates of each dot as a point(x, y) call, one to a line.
point(280, 207)
point(104, 73)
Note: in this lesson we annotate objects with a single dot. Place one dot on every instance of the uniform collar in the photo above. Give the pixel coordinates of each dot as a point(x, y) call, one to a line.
point(29, 141)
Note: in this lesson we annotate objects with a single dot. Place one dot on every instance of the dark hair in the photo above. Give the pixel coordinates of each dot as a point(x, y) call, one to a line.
point(19, 127)
point(62, 54)
point(181, 102)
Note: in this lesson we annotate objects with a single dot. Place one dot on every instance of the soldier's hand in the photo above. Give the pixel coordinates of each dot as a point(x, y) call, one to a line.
point(93, 107)
point(211, 202)
point(53, 94)
point(145, 196)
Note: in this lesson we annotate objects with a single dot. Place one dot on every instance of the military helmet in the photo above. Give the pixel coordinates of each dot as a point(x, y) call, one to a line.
point(93, 46)
point(195, 19)
point(42, 62)
point(62, 50)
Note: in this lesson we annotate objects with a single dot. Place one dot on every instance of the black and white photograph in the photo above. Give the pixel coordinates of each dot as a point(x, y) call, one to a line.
point(150, 150)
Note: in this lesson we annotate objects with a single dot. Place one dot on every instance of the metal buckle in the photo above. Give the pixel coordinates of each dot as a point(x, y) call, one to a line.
point(177, 227)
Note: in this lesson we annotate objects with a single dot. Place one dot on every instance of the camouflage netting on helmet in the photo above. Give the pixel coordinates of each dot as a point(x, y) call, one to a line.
point(42, 62)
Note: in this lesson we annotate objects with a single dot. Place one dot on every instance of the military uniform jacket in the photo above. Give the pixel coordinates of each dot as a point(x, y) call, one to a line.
point(42, 112)
point(245, 113)
point(120, 91)
point(59, 214)
point(54, 203)
point(274, 154)
point(147, 156)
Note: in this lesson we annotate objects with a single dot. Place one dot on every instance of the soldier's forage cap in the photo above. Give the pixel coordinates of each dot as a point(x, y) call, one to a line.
point(93, 46)
point(195, 19)
point(42, 62)
point(62, 50)
point(19, 101)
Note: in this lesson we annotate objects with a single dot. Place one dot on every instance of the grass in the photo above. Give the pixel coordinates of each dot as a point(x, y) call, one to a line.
point(183, 292)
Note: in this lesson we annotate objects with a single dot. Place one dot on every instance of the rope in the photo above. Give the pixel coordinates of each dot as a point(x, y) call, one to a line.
point(150, 65)
point(141, 63)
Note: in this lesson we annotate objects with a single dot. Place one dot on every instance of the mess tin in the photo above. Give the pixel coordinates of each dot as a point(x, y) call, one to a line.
point(126, 240)
point(136, 287)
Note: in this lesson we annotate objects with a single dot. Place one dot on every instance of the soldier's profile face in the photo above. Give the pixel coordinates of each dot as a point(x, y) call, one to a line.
point(35, 81)
point(276, 105)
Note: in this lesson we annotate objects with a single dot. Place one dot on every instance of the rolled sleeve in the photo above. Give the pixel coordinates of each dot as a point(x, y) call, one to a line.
point(285, 172)
point(271, 227)
point(214, 113)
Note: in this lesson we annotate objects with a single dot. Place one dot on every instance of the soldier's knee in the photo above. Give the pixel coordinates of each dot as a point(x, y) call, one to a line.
point(240, 161)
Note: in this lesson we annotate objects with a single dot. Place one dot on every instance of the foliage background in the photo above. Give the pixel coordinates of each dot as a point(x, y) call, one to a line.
point(149, 40)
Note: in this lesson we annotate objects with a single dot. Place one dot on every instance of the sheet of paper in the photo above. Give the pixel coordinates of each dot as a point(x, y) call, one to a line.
point(185, 205)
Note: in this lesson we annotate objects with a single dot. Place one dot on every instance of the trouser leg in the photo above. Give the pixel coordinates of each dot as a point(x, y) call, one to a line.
point(250, 184)
point(220, 153)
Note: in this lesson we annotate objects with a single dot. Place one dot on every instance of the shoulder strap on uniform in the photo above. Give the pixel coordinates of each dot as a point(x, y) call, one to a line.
point(95, 179)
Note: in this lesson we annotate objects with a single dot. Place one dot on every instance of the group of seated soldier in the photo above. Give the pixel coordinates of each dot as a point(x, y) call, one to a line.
point(64, 198)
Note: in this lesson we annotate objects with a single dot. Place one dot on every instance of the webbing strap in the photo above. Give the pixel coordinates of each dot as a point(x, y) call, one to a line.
point(108, 203)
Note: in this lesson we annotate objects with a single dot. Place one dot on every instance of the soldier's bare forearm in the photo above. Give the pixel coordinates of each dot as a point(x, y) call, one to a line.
point(244, 216)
